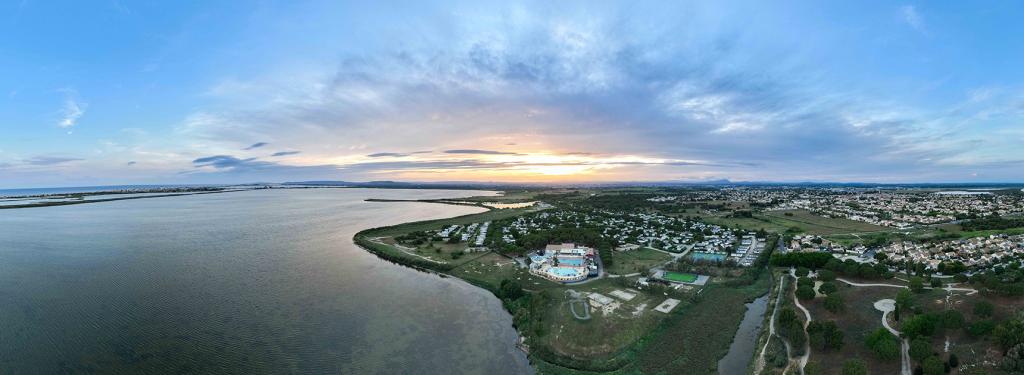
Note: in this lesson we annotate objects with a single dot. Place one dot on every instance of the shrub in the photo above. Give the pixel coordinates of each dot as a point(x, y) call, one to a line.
point(802, 271)
point(805, 281)
point(933, 366)
point(826, 275)
point(952, 319)
point(855, 367)
point(834, 303)
point(983, 309)
point(825, 335)
point(805, 292)
point(828, 287)
point(981, 328)
point(916, 284)
point(920, 349)
point(884, 344)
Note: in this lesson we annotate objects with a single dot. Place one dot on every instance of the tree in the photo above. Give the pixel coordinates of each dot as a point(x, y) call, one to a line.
point(921, 325)
point(884, 344)
point(954, 361)
point(805, 281)
point(983, 309)
point(813, 368)
point(981, 328)
point(825, 335)
point(827, 288)
point(802, 271)
point(904, 299)
point(855, 367)
point(805, 292)
point(1010, 333)
point(936, 283)
point(834, 303)
point(916, 284)
point(920, 348)
point(787, 317)
point(826, 275)
point(510, 289)
point(952, 319)
point(933, 366)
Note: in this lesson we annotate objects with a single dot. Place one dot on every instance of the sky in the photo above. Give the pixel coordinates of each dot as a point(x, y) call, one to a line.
point(147, 92)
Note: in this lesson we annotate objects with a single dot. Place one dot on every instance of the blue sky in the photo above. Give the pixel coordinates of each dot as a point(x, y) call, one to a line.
point(216, 92)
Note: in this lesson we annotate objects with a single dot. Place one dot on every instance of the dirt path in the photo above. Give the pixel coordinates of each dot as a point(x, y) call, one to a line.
point(796, 301)
point(407, 250)
point(759, 365)
point(948, 287)
point(887, 306)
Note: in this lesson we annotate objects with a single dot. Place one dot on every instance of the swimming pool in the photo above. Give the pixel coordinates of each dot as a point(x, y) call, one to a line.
point(577, 262)
point(707, 256)
point(563, 271)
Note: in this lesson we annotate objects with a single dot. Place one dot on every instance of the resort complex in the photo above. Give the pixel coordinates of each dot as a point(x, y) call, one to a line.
point(564, 263)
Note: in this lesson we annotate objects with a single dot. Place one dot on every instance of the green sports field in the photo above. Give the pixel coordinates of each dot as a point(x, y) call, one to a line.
point(680, 277)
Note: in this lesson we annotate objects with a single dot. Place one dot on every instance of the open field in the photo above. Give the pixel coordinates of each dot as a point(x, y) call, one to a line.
point(622, 337)
point(489, 215)
point(815, 224)
point(491, 268)
point(680, 277)
point(859, 319)
point(639, 260)
point(607, 332)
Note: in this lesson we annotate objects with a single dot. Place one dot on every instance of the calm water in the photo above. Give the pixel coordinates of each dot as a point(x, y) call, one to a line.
point(246, 282)
point(741, 351)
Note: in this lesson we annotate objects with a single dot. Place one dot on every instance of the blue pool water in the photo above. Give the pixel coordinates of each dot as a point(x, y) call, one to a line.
point(563, 271)
point(707, 256)
point(571, 261)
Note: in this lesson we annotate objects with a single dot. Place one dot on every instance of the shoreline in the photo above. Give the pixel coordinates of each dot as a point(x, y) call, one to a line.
point(542, 359)
point(363, 240)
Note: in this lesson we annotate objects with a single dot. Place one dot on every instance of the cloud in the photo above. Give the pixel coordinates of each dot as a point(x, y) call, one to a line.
point(256, 145)
point(130, 163)
point(388, 155)
point(285, 153)
point(50, 160)
point(71, 112)
point(478, 152)
point(913, 18)
point(700, 87)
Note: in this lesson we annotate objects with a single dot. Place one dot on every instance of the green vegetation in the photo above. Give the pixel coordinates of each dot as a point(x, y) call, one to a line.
point(824, 335)
point(834, 303)
point(633, 338)
point(680, 277)
point(855, 367)
point(634, 261)
point(811, 223)
point(992, 223)
point(885, 345)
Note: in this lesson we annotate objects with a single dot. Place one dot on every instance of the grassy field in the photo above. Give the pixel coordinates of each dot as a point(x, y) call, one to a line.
point(490, 215)
point(859, 319)
point(605, 334)
point(820, 225)
point(680, 277)
point(633, 338)
point(639, 260)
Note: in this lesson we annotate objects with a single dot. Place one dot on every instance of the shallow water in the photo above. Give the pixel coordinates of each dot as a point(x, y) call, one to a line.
point(741, 351)
point(264, 281)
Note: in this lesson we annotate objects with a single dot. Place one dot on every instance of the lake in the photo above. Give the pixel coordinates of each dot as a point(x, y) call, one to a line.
point(264, 281)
